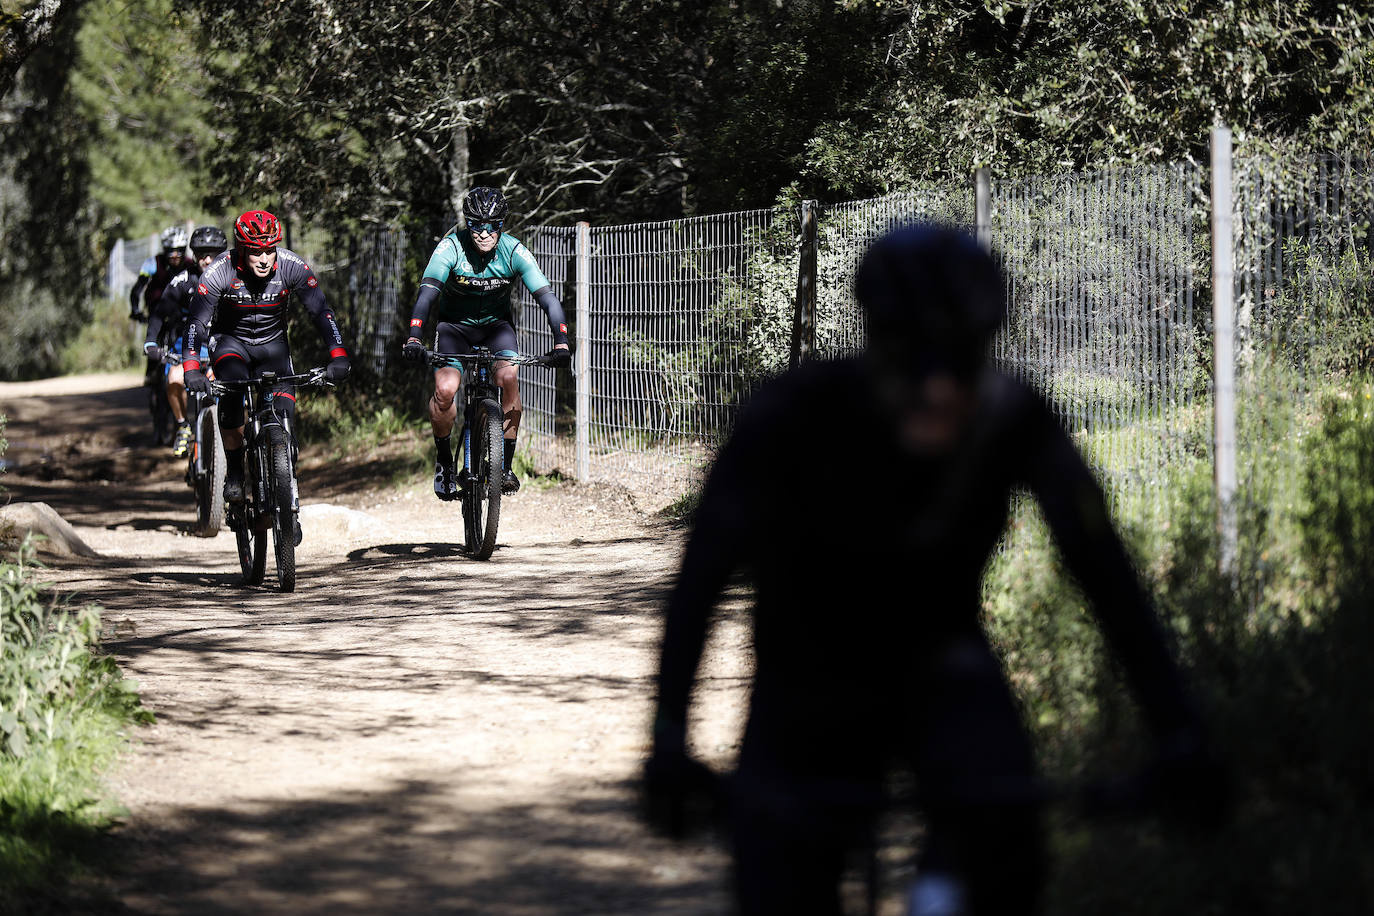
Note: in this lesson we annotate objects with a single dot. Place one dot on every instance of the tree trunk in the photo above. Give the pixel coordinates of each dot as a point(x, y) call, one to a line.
point(458, 172)
point(23, 33)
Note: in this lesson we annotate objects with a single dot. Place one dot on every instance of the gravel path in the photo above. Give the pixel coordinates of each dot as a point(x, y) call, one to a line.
point(410, 731)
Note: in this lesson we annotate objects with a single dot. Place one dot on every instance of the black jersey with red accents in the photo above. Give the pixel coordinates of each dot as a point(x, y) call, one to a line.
point(167, 319)
point(231, 300)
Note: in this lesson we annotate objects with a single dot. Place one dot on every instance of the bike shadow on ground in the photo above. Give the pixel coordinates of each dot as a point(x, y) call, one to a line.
point(206, 579)
point(431, 551)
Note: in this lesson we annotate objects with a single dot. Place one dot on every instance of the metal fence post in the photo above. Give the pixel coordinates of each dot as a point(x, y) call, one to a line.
point(982, 206)
point(804, 315)
point(582, 364)
point(1223, 349)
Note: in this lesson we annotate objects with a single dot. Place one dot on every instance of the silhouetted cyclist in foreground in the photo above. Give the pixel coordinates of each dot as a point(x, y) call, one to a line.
point(869, 653)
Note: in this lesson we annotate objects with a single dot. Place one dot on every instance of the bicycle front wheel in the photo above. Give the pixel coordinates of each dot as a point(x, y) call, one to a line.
point(209, 454)
point(283, 506)
point(482, 498)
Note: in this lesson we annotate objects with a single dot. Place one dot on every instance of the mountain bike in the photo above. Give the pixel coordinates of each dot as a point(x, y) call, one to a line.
point(205, 462)
point(484, 453)
point(271, 500)
point(155, 380)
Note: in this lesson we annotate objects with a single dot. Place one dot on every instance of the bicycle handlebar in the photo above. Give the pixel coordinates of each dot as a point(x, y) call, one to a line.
point(451, 360)
point(313, 377)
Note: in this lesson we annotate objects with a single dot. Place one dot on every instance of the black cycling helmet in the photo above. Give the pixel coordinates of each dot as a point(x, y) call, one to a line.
point(206, 238)
point(483, 204)
point(932, 293)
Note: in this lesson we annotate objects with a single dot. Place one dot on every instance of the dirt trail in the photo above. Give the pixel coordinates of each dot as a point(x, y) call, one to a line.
point(410, 731)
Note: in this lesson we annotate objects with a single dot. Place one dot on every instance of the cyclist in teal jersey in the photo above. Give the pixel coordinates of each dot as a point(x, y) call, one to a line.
point(471, 276)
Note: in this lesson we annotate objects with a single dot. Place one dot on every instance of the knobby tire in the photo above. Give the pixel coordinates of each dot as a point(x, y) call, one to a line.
point(209, 452)
point(283, 514)
point(252, 539)
point(482, 500)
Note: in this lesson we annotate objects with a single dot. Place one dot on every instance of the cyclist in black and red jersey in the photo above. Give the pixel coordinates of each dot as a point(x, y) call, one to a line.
point(875, 659)
point(167, 325)
point(245, 291)
point(157, 271)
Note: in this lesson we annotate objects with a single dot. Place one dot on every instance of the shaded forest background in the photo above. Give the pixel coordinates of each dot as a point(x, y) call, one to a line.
point(120, 116)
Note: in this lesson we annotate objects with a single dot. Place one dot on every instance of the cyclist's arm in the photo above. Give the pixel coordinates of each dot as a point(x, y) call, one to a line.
point(1076, 512)
point(145, 275)
point(202, 309)
point(166, 312)
point(714, 551)
point(542, 291)
point(307, 286)
point(441, 264)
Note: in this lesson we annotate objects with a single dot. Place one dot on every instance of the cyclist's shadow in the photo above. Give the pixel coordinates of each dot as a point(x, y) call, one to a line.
point(175, 525)
point(206, 579)
point(407, 552)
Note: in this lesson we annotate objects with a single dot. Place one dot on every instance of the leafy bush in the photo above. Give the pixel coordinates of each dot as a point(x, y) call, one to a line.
point(107, 342)
point(62, 706)
point(1279, 653)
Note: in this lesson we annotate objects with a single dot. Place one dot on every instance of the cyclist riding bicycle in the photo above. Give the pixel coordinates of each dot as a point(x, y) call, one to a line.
point(471, 276)
point(157, 271)
point(167, 325)
point(874, 661)
point(245, 292)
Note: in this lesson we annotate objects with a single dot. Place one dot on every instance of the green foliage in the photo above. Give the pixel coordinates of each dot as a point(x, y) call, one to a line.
point(44, 212)
point(1279, 654)
point(1034, 87)
point(50, 671)
point(106, 343)
point(62, 705)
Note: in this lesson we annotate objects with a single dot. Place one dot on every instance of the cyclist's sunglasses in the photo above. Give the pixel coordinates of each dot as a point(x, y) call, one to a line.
point(199, 253)
point(486, 227)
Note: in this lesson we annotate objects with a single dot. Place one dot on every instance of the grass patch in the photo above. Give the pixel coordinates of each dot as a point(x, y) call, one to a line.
point(63, 710)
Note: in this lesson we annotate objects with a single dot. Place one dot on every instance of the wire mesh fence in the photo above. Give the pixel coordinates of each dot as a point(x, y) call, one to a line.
point(1108, 285)
point(684, 318)
point(1304, 302)
point(1102, 271)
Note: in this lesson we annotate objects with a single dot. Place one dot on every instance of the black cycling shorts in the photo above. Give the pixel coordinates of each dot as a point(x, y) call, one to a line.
point(498, 337)
point(235, 360)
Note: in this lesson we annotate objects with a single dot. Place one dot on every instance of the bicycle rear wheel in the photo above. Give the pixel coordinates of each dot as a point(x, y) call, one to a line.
point(209, 453)
point(282, 506)
point(252, 553)
point(482, 498)
point(164, 424)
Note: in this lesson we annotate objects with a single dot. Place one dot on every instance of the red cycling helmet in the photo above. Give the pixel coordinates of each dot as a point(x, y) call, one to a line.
point(257, 229)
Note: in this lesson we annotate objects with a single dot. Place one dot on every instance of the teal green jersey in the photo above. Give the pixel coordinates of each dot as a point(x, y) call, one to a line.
point(474, 286)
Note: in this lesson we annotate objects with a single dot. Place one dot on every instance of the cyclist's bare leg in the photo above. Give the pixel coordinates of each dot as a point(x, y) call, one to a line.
point(176, 392)
point(511, 407)
point(443, 405)
point(233, 438)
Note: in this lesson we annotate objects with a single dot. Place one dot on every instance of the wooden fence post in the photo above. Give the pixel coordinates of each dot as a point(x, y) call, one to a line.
point(804, 315)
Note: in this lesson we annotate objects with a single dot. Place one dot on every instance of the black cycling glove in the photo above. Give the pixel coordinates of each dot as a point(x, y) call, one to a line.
point(337, 370)
point(559, 358)
point(413, 350)
point(196, 381)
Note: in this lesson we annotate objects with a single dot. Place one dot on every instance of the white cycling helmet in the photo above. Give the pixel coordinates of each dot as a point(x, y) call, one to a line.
point(173, 238)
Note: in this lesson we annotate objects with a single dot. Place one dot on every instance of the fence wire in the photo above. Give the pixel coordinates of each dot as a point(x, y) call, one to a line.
point(844, 232)
point(1102, 272)
point(1108, 277)
point(1304, 303)
point(685, 317)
